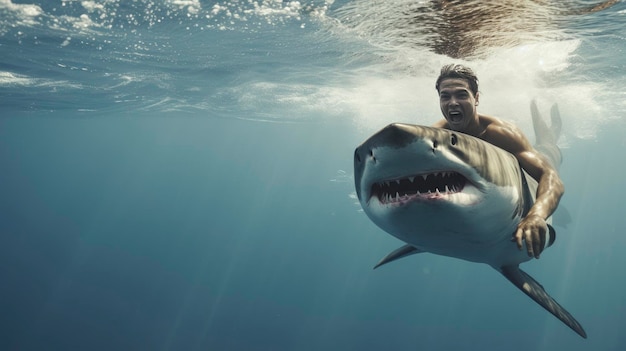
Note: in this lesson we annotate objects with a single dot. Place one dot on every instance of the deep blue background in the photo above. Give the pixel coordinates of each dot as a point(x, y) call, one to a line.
point(170, 188)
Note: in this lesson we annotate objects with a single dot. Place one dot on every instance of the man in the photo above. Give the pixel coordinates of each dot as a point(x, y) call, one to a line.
point(457, 86)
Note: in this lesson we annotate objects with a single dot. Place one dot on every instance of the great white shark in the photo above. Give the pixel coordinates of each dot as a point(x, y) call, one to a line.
point(455, 195)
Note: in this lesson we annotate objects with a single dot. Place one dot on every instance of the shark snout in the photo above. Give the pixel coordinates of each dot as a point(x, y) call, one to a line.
point(362, 154)
point(396, 152)
point(395, 135)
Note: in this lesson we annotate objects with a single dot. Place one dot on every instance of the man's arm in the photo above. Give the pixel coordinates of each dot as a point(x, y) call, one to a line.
point(533, 227)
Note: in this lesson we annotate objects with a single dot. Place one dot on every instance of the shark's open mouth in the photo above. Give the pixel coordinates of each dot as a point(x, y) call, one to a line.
point(431, 185)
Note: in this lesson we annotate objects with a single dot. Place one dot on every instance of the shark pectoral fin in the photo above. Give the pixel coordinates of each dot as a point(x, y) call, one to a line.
point(535, 291)
point(552, 236)
point(403, 251)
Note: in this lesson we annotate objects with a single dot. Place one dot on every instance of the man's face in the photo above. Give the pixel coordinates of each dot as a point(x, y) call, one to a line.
point(457, 103)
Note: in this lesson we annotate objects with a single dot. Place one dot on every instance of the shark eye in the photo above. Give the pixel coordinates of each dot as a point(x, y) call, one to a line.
point(453, 139)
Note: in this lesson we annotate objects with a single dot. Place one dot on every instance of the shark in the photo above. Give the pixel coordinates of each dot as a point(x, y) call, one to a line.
point(451, 194)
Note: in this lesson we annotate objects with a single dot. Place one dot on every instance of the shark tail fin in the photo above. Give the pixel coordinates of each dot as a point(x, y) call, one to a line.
point(547, 137)
point(398, 253)
point(555, 118)
point(535, 291)
point(543, 133)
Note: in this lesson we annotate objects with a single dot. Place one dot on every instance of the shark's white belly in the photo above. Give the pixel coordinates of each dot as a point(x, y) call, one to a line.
point(476, 232)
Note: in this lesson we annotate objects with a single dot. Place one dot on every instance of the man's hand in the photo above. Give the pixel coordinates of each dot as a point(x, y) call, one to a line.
point(534, 230)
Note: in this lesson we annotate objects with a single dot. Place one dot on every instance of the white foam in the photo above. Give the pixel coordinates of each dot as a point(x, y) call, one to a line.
point(24, 14)
point(8, 78)
point(192, 6)
point(92, 6)
point(251, 14)
point(12, 79)
point(24, 10)
point(511, 78)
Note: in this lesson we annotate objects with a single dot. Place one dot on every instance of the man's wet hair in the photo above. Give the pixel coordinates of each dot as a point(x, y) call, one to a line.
point(461, 72)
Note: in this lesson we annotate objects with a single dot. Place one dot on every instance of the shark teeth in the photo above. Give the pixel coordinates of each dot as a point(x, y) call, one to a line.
point(423, 185)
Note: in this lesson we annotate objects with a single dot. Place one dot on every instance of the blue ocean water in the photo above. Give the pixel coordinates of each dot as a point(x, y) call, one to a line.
point(177, 174)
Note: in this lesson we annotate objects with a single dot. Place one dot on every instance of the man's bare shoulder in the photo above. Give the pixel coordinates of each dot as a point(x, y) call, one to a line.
point(441, 124)
point(504, 134)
